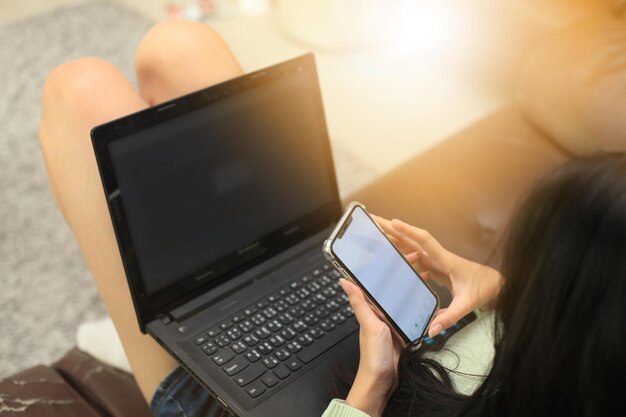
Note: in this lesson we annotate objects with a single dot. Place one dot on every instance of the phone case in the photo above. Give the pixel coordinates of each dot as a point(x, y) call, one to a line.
point(328, 253)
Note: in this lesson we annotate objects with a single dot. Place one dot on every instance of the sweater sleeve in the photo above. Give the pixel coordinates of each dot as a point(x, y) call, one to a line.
point(338, 408)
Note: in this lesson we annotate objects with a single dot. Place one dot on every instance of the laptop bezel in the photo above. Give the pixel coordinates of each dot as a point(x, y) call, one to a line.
point(149, 306)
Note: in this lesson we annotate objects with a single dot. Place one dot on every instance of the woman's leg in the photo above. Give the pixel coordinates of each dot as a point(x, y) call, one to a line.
point(173, 58)
point(177, 57)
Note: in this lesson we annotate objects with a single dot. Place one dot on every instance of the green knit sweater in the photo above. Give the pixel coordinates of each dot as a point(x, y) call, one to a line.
point(469, 352)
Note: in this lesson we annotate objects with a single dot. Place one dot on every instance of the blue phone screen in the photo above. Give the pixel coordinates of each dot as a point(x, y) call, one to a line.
point(384, 273)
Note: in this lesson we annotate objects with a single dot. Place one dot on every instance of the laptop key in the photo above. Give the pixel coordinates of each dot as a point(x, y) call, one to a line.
point(288, 333)
point(332, 305)
point(317, 332)
point(258, 319)
point(263, 333)
point(234, 333)
point(282, 305)
point(265, 348)
point(342, 299)
point(250, 374)
point(209, 348)
point(315, 350)
point(327, 325)
point(293, 364)
point(223, 356)
point(270, 362)
point(274, 326)
point(282, 354)
point(253, 355)
point(226, 325)
point(236, 366)
point(294, 347)
point(322, 312)
point(201, 339)
point(273, 298)
point(276, 340)
point(299, 326)
point(286, 318)
point(292, 299)
point(281, 371)
point(270, 312)
point(306, 339)
point(214, 332)
point(238, 347)
point(222, 341)
point(255, 389)
point(269, 379)
point(338, 318)
point(249, 311)
point(251, 340)
point(310, 319)
point(246, 326)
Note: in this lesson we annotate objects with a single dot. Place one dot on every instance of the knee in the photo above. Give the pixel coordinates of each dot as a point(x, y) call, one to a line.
point(76, 80)
point(169, 43)
point(71, 87)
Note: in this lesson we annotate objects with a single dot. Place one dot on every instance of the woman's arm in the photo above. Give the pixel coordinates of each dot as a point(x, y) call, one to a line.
point(377, 376)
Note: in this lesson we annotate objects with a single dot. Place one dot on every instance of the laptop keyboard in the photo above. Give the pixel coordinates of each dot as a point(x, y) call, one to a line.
point(281, 334)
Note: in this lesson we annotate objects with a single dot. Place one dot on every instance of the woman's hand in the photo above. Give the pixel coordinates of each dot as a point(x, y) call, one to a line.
point(377, 376)
point(472, 285)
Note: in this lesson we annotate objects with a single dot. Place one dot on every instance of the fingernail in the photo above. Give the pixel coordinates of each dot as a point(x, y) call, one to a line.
point(343, 282)
point(435, 330)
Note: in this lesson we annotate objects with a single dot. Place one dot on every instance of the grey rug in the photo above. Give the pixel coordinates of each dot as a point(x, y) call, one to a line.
point(46, 290)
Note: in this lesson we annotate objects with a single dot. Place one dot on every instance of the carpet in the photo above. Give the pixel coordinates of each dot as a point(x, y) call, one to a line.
point(46, 288)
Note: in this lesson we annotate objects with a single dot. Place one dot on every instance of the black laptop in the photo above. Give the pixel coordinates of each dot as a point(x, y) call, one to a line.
point(220, 201)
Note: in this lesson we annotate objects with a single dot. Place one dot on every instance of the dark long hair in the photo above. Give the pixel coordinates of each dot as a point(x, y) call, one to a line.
point(560, 337)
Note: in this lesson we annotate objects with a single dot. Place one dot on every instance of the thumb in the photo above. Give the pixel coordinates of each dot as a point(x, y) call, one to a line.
point(448, 316)
point(360, 306)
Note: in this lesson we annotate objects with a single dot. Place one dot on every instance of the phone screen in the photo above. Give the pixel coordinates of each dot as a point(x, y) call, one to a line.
point(382, 271)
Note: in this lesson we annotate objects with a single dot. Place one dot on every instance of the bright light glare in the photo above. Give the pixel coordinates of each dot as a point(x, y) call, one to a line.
point(424, 27)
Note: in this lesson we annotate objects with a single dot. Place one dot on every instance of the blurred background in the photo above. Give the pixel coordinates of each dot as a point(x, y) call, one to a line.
point(397, 77)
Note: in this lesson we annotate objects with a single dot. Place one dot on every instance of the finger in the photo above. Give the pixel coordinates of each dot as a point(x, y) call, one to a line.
point(400, 241)
point(448, 316)
point(363, 312)
point(387, 227)
point(429, 244)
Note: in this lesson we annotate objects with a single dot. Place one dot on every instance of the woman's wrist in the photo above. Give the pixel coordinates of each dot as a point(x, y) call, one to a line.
point(367, 396)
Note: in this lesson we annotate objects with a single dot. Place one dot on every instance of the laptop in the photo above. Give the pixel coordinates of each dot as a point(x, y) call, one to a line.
point(220, 201)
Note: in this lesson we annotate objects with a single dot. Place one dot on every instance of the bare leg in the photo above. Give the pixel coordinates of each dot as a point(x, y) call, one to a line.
point(178, 57)
point(174, 58)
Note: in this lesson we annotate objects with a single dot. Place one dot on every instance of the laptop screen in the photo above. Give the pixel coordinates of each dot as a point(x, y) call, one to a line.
point(213, 188)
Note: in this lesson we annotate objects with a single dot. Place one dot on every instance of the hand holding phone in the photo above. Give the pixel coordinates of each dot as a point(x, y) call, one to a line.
point(379, 356)
point(362, 252)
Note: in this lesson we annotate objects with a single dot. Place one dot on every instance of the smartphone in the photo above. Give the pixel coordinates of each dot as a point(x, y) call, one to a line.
point(361, 251)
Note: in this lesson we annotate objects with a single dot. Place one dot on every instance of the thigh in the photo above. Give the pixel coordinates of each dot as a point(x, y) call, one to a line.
point(177, 57)
point(77, 96)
